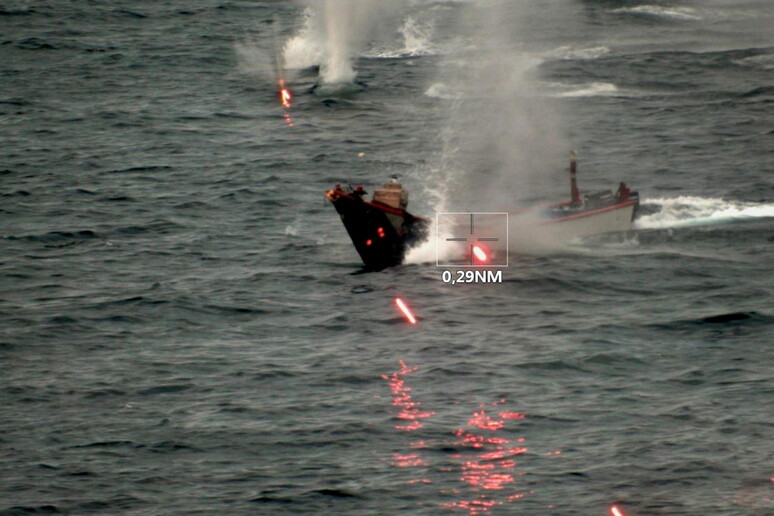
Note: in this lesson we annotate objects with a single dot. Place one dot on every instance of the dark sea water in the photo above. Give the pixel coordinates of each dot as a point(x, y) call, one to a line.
point(184, 328)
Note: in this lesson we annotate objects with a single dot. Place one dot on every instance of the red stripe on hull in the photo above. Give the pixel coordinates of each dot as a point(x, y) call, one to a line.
point(589, 213)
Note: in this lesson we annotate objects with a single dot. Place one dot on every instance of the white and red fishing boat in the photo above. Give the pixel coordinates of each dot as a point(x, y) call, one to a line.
point(550, 227)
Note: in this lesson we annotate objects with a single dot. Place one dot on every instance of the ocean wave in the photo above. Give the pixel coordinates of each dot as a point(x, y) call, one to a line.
point(687, 211)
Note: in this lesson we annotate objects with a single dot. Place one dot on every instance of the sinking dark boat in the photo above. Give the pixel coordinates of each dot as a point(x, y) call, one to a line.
point(381, 229)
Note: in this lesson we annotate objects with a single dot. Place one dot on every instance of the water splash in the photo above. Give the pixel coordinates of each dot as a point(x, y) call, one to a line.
point(304, 49)
point(504, 136)
point(335, 32)
point(414, 40)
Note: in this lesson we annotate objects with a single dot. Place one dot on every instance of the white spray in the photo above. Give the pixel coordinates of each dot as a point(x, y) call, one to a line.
point(504, 145)
point(511, 140)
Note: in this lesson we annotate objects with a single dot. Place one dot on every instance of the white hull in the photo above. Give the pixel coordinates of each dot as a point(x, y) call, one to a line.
point(531, 233)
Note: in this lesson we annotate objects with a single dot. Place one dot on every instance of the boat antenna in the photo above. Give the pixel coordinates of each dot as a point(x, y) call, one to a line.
point(574, 193)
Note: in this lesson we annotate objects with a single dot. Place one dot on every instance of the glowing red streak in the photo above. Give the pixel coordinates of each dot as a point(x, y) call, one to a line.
point(406, 311)
point(480, 254)
point(285, 95)
point(615, 511)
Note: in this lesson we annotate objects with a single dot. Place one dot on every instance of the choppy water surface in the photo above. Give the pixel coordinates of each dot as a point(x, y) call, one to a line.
point(183, 328)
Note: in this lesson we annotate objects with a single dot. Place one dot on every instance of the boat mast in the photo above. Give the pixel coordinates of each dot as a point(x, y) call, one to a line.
point(574, 193)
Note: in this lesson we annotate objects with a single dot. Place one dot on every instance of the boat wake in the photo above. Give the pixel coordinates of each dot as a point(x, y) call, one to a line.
point(687, 211)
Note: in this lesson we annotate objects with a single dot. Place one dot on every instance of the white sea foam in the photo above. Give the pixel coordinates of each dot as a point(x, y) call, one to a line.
point(566, 52)
point(674, 13)
point(440, 90)
point(686, 211)
point(415, 40)
point(764, 61)
point(594, 89)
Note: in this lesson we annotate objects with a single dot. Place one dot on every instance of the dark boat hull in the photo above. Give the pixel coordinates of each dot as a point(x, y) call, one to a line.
point(380, 233)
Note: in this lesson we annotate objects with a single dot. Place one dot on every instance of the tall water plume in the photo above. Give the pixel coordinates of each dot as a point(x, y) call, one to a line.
point(504, 144)
point(336, 32)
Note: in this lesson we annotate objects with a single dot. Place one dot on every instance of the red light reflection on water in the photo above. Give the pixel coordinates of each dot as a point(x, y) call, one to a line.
point(754, 494)
point(401, 398)
point(407, 460)
point(487, 465)
point(490, 466)
point(482, 420)
point(511, 415)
